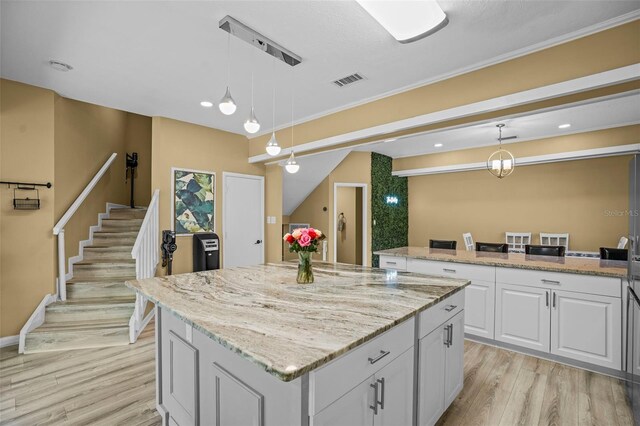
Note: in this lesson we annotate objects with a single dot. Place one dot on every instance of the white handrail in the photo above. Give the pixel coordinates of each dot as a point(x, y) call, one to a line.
point(83, 195)
point(145, 252)
point(59, 228)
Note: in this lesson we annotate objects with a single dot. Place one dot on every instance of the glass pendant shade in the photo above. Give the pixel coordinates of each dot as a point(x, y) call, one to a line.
point(292, 166)
point(501, 163)
point(227, 105)
point(252, 125)
point(273, 148)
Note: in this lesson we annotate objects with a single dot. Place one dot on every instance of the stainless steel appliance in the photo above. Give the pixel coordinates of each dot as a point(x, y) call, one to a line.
point(632, 361)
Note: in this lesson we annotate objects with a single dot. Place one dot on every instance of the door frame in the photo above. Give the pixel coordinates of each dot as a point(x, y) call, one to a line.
point(365, 206)
point(225, 176)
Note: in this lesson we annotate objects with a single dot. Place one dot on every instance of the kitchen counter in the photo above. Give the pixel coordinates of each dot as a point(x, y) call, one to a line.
point(289, 329)
point(572, 265)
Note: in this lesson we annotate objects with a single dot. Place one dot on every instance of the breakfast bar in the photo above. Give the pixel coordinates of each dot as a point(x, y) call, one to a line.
point(250, 346)
point(568, 309)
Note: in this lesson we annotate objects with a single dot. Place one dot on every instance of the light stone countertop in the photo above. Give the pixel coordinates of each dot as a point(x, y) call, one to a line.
point(289, 329)
point(571, 265)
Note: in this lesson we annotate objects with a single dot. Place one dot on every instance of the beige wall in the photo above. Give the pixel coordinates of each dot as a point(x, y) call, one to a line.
point(85, 136)
point(189, 146)
point(355, 168)
point(26, 241)
point(572, 197)
point(346, 244)
point(273, 207)
point(613, 48)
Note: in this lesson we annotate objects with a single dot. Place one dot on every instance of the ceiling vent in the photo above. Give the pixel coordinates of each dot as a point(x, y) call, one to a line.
point(350, 79)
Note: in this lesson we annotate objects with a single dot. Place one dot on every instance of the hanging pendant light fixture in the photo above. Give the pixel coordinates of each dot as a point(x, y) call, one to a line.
point(252, 125)
point(227, 105)
point(501, 163)
point(273, 148)
point(292, 165)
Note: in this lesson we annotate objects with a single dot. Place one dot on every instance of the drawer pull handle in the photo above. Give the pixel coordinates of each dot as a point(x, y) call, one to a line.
point(374, 407)
point(391, 263)
point(379, 357)
point(381, 402)
point(450, 308)
point(452, 271)
point(447, 341)
point(550, 282)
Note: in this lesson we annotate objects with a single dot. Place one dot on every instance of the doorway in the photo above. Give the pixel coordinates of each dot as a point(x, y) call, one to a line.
point(242, 219)
point(349, 225)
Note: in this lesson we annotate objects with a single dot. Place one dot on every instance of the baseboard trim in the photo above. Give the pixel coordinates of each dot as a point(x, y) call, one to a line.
point(547, 356)
point(9, 341)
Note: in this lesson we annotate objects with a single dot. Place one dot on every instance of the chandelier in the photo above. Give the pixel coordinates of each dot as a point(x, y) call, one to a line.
point(501, 163)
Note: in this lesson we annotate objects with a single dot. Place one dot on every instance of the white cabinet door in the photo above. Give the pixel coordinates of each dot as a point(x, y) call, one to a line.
point(587, 328)
point(454, 359)
point(479, 306)
point(395, 392)
point(522, 316)
point(431, 377)
point(354, 408)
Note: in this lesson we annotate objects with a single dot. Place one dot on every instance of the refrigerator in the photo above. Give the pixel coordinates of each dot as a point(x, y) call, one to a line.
point(632, 339)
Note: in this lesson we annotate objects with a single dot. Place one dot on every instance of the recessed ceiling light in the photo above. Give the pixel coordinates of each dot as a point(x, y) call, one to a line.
point(438, 145)
point(407, 21)
point(206, 104)
point(60, 66)
point(391, 140)
point(564, 126)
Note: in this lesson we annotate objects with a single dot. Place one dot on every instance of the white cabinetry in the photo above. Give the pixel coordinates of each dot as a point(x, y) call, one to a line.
point(479, 308)
point(522, 316)
point(354, 408)
point(441, 369)
point(586, 327)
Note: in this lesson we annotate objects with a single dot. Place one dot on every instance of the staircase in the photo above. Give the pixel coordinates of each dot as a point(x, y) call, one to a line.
point(99, 306)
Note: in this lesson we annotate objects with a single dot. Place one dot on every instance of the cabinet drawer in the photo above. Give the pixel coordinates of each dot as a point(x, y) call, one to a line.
point(604, 286)
point(452, 269)
point(330, 382)
point(393, 262)
point(435, 315)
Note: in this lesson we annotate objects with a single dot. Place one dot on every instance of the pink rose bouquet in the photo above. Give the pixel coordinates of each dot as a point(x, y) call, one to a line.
point(304, 239)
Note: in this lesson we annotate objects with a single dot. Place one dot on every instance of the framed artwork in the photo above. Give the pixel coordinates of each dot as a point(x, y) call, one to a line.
point(193, 206)
point(294, 226)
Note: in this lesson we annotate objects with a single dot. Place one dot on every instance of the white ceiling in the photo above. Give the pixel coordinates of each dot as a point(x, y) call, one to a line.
point(596, 114)
point(161, 58)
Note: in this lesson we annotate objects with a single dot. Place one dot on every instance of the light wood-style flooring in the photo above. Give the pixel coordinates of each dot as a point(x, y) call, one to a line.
point(116, 386)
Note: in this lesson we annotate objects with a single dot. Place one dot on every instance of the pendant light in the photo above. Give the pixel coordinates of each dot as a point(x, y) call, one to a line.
point(273, 148)
point(252, 125)
point(501, 163)
point(227, 105)
point(292, 165)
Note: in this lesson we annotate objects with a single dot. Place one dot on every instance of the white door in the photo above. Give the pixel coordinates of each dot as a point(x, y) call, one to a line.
point(395, 392)
point(354, 408)
point(431, 377)
point(522, 316)
point(479, 300)
point(587, 327)
point(454, 355)
point(242, 220)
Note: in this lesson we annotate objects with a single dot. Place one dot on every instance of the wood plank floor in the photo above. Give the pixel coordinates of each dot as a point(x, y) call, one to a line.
point(116, 386)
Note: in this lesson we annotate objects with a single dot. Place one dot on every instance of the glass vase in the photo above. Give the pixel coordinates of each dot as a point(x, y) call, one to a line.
point(305, 268)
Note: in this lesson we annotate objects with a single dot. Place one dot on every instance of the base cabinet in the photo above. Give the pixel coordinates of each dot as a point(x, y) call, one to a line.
point(585, 327)
point(384, 399)
point(479, 307)
point(522, 316)
point(441, 369)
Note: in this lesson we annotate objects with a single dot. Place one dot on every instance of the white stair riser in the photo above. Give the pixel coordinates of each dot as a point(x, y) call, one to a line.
point(59, 340)
point(70, 314)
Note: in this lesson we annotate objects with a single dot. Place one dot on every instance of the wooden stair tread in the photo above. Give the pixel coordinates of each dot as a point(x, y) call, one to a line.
point(103, 261)
point(117, 233)
point(93, 302)
point(80, 326)
point(76, 281)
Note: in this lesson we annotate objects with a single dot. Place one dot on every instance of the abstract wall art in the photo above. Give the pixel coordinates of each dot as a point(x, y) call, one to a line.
point(193, 207)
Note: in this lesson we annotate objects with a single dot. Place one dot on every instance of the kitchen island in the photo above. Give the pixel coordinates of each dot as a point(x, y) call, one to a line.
point(249, 346)
point(567, 309)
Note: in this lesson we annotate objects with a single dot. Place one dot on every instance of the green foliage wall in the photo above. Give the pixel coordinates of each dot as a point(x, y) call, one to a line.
point(391, 228)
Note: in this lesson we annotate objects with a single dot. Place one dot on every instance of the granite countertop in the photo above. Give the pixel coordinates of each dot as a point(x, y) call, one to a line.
point(572, 265)
point(289, 329)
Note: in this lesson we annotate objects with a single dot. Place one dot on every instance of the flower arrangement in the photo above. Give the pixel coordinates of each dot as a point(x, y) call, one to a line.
point(304, 241)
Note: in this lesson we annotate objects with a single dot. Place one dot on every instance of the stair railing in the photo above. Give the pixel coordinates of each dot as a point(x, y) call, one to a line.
point(58, 230)
point(145, 252)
